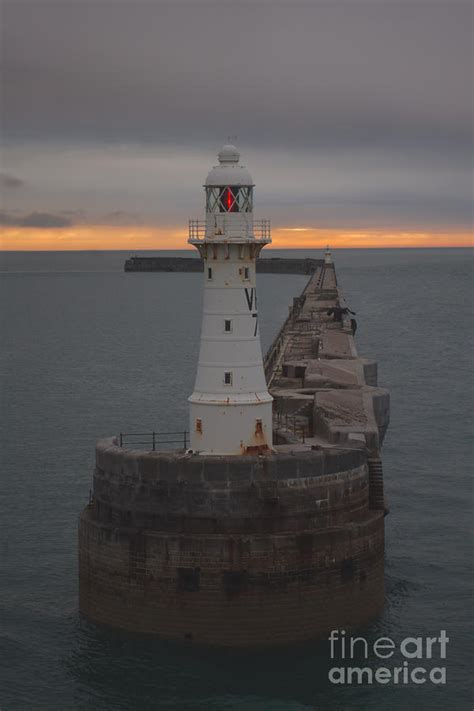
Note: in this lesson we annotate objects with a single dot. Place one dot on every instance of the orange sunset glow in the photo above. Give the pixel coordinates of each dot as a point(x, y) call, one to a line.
point(104, 237)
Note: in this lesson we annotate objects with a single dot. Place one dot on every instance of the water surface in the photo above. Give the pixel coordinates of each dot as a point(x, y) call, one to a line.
point(88, 350)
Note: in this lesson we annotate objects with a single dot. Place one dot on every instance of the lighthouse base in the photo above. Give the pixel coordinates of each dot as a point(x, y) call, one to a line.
point(231, 550)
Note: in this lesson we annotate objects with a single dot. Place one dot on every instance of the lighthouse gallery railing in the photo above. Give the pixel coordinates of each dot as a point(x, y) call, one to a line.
point(197, 229)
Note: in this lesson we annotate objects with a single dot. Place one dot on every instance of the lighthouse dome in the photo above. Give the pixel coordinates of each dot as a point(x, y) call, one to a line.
point(229, 171)
point(228, 154)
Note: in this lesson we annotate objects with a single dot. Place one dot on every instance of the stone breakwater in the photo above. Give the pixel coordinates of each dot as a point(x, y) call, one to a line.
point(251, 550)
point(265, 265)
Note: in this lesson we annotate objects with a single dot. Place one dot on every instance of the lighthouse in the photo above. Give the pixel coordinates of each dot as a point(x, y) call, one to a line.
point(230, 408)
point(235, 540)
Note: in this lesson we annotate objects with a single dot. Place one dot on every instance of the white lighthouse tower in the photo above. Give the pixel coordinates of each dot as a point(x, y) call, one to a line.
point(230, 408)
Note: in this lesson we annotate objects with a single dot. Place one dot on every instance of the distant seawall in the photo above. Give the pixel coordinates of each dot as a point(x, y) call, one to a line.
point(272, 265)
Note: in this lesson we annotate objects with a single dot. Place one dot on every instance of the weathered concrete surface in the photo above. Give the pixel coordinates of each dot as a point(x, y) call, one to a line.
point(250, 550)
point(315, 354)
point(231, 551)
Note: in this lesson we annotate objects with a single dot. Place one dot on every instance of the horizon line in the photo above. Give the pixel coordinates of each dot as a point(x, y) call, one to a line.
point(273, 249)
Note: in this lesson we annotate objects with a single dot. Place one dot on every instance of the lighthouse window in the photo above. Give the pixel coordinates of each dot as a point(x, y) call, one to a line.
point(209, 272)
point(229, 198)
point(246, 273)
point(228, 378)
point(227, 325)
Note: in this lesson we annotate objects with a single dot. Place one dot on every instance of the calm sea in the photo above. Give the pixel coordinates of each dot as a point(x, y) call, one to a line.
point(88, 350)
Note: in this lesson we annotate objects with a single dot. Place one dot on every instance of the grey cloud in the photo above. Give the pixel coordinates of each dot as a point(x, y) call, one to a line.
point(66, 218)
point(120, 217)
point(317, 74)
point(10, 181)
point(74, 216)
point(344, 84)
point(34, 219)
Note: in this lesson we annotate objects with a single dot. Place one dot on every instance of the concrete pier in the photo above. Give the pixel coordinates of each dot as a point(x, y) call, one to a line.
point(251, 550)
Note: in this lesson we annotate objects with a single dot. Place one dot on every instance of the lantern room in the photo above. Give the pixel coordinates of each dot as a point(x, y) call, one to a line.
point(229, 204)
point(229, 185)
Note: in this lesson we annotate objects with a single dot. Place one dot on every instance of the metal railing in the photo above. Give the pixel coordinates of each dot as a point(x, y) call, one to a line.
point(153, 440)
point(291, 423)
point(261, 230)
point(274, 355)
point(197, 229)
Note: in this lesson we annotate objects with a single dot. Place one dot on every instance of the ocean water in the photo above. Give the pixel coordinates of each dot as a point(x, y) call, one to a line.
point(87, 351)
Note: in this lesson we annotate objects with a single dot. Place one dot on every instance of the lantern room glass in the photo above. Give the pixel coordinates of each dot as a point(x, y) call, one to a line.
point(229, 198)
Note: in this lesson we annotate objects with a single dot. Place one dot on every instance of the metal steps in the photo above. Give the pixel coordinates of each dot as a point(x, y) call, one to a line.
point(376, 494)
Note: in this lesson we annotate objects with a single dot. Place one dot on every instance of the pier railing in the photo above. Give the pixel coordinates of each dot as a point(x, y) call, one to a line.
point(153, 440)
point(274, 355)
point(275, 352)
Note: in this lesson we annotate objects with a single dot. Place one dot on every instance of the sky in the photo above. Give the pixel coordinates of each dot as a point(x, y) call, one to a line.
point(353, 116)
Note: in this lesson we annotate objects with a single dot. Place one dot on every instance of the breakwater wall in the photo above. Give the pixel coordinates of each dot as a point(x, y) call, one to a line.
point(265, 265)
point(253, 550)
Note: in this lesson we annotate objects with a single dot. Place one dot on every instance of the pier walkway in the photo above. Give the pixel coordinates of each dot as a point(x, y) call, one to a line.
point(325, 394)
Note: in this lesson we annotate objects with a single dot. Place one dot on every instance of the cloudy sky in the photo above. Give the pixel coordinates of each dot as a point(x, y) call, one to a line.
point(354, 117)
